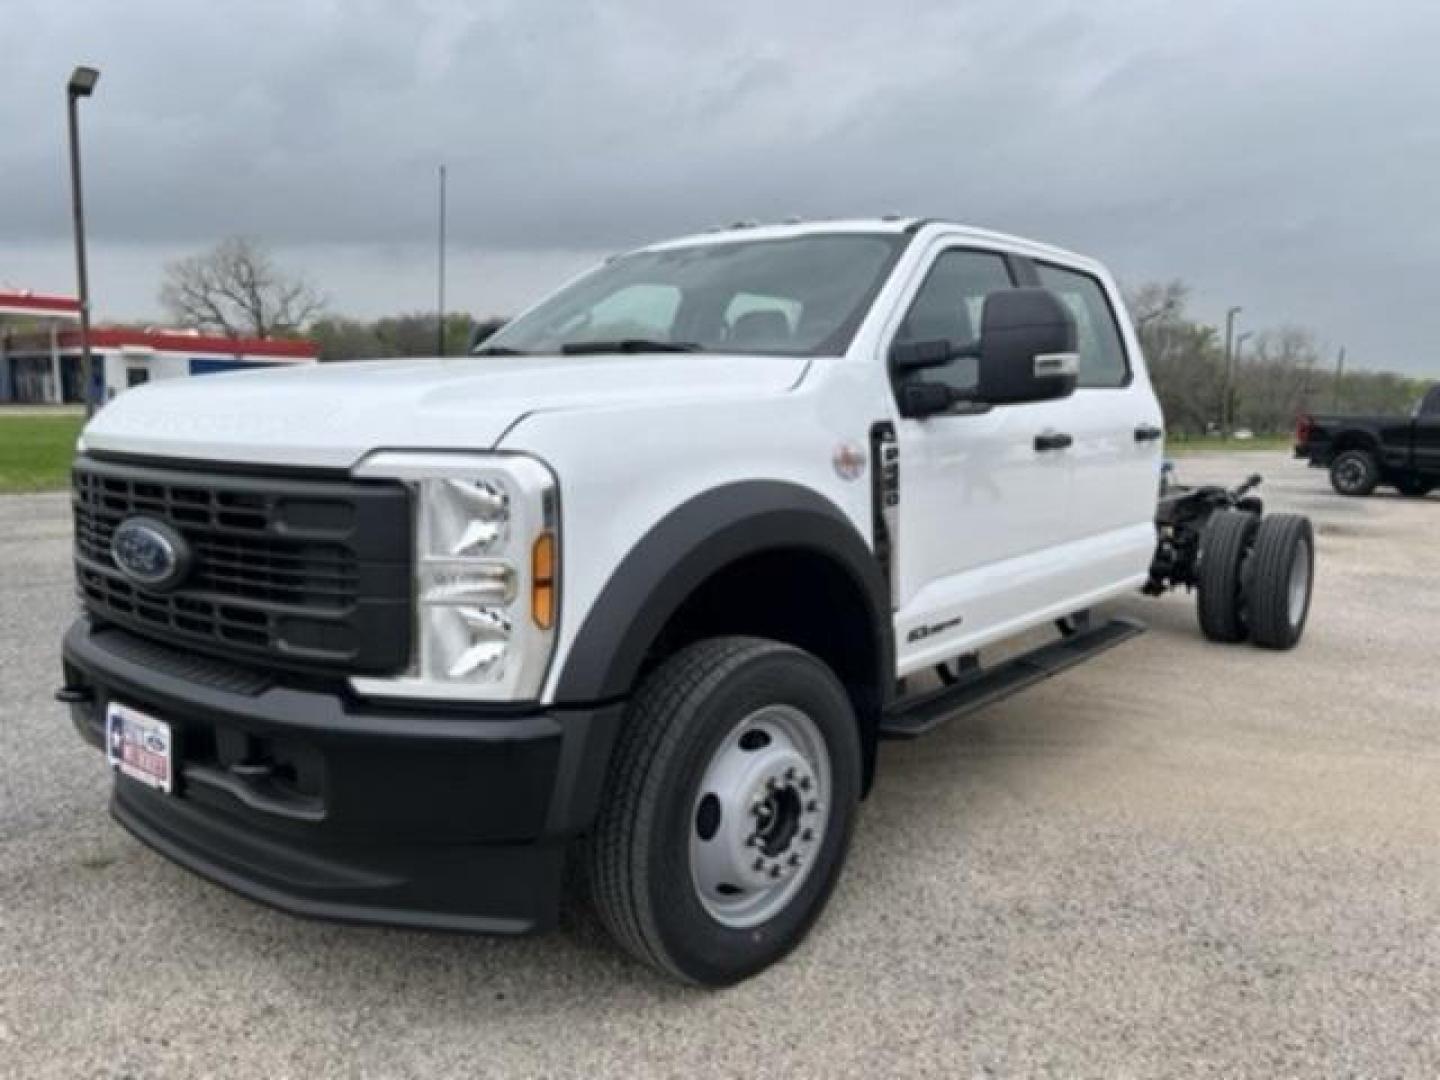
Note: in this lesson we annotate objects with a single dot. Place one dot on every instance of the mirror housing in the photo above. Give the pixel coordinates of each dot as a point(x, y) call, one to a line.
point(919, 399)
point(1027, 348)
point(908, 356)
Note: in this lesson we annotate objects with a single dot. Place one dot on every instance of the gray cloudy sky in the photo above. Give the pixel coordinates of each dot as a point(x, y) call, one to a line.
point(1280, 154)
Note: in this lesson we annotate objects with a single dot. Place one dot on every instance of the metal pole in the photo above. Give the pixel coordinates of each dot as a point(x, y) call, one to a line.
point(1339, 376)
point(440, 300)
point(1237, 361)
point(1228, 405)
point(78, 214)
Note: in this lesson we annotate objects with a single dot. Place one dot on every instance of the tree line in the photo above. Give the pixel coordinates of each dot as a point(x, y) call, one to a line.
point(236, 289)
point(1278, 374)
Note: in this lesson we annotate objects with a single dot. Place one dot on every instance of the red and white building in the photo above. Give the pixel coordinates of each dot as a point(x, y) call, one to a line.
point(40, 352)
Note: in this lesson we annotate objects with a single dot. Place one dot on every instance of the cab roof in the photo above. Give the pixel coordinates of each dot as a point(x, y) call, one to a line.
point(922, 227)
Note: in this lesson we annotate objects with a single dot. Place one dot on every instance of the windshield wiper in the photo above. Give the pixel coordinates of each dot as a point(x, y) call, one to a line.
point(499, 350)
point(628, 345)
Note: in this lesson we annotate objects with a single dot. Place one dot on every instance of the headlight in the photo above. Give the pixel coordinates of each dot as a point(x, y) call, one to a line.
point(486, 575)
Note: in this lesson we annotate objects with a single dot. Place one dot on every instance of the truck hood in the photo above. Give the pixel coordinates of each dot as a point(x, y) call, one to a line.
point(332, 415)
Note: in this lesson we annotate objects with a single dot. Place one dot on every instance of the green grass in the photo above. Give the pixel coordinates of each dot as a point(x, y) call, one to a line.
point(1178, 447)
point(35, 451)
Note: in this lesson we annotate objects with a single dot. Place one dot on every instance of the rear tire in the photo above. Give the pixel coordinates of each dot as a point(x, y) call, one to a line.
point(1223, 547)
point(1280, 581)
point(735, 750)
point(1355, 473)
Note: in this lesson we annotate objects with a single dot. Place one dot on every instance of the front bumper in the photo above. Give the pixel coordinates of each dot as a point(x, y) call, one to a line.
point(307, 799)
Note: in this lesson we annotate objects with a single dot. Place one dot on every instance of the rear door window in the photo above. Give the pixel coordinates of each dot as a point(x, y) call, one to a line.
point(1102, 350)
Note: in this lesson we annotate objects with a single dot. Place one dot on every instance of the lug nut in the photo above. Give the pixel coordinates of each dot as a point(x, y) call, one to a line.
point(807, 834)
point(775, 871)
point(804, 783)
point(812, 806)
point(795, 860)
point(790, 773)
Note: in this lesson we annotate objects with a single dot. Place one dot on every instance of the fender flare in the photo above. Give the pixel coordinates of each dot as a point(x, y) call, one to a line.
point(688, 545)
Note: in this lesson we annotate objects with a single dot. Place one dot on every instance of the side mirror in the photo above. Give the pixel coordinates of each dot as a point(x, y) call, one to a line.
point(920, 399)
point(1027, 348)
point(908, 356)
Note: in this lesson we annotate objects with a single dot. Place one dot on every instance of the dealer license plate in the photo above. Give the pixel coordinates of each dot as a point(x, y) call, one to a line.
point(140, 746)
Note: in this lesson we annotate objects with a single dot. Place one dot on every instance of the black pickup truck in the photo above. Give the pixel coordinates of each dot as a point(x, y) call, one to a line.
point(1363, 452)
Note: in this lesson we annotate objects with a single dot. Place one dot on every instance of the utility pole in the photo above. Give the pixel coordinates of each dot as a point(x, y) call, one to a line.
point(1239, 363)
point(82, 84)
point(1228, 405)
point(440, 298)
point(1339, 376)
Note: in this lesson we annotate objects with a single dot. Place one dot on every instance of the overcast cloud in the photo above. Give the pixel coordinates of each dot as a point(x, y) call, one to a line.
point(1280, 154)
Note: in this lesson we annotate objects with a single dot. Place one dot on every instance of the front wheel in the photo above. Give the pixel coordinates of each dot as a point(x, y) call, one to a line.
point(1355, 473)
point(728, 813)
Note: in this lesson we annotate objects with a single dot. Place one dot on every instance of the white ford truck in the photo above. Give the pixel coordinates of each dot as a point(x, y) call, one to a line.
point(634, 588)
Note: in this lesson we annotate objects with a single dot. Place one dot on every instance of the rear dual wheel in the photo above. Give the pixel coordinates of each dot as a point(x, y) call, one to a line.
point(1280, 581)
point(732, 794)
point(1256, 578)
point(1224, 546)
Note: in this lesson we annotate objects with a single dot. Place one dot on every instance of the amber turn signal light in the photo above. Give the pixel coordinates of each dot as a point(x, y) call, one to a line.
point(542, 581)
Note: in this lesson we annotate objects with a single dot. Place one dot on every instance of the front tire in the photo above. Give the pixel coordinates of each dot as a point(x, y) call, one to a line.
point(731, 799)
point(1355, 473)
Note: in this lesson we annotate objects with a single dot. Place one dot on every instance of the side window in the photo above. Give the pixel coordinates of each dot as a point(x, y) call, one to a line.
point(948, 307)
point(1102, 354)
point(643, 311)
point(1430, 403)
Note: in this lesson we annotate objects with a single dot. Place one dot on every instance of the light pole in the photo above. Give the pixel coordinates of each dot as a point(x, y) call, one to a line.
point(1228, 420)
point(82, 84)
point(1239, 363)
point(440, 298)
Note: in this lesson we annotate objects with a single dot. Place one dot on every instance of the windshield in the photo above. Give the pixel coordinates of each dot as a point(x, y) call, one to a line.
point(803, 296)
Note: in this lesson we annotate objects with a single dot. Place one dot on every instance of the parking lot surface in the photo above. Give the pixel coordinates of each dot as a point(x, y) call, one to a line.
point(1181, 859)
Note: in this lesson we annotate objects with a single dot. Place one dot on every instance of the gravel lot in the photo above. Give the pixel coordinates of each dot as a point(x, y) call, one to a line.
point(1182, 859)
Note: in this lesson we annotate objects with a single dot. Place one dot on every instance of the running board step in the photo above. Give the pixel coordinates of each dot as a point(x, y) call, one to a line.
point(989, 685)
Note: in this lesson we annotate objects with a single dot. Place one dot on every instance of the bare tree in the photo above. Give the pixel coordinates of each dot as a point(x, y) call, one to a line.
point(236, 289)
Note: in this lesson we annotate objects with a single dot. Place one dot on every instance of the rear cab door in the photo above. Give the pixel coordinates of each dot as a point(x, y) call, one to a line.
point(1116, 423)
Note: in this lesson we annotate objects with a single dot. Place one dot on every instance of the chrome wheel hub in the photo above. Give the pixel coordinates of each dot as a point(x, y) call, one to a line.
point(760, 816)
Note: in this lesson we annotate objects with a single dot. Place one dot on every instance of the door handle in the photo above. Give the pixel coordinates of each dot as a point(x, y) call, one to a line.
point(1052, 441)
point(1147, 433)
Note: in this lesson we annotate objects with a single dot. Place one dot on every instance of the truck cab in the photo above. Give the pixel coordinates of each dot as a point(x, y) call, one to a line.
point(637, 586)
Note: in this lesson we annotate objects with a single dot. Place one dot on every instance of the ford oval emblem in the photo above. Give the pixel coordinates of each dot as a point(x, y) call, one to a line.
point(150, 553)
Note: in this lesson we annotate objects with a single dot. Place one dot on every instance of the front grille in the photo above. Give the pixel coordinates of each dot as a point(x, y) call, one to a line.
point(310, 573)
